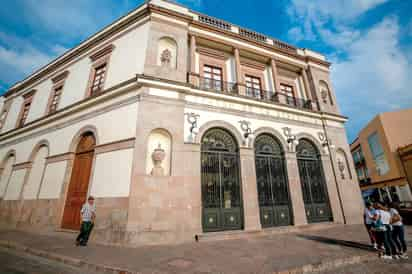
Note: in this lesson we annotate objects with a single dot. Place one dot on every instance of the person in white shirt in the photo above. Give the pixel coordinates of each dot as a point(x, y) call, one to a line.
point(398, 232)
point(383, 229)
point(368, 218)
point(87, 215)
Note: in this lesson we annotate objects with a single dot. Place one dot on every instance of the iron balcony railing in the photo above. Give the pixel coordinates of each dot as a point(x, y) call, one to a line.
point(219, 86)
point(293, 101)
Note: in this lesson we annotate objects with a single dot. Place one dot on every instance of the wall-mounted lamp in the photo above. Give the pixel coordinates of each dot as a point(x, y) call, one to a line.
point(192, 119)
point(323, 139)
point(245, 126)
point(290, 138)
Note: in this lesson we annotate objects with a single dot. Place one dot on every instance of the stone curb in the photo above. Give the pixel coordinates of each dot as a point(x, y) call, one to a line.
point(309, 268)
point(65, 259)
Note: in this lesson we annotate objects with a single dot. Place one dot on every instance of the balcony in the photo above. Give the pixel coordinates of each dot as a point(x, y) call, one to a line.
point(218, 86)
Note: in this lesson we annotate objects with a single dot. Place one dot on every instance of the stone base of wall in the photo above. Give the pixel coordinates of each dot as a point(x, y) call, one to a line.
point(111, 220)
point(44, 215)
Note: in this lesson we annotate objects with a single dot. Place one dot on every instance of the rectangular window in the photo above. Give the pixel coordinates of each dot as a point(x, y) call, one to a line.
point(289, 94)
point(4, 113)
point(28, 98)
point(57, 92)
point(253, 86)
point(212, 78)
point(378, 154)
point(98, 79)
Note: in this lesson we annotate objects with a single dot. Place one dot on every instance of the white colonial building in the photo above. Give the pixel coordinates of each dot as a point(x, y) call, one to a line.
point(180, 125)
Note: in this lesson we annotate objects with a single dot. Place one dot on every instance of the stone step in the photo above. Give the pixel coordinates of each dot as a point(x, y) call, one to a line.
point(243, 234)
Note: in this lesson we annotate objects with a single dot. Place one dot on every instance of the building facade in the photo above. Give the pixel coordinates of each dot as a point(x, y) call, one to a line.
point(178, 124)
point(381, 156)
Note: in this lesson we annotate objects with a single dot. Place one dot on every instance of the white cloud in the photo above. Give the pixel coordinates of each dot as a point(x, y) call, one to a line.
point(18, 57)
point(373, 75)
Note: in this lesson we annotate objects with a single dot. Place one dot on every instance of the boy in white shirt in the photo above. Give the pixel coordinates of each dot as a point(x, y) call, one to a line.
point(87, 215)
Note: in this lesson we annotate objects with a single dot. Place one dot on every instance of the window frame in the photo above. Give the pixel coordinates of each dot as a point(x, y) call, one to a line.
point(22, 118)
point(5, 111)
point(212, 79)
point(259, 79)
point(378, 156)
point(98, 59)
point(58, 82)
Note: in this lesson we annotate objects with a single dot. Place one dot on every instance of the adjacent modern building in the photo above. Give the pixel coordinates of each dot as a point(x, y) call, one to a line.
point(179, 124)
point(382, 156)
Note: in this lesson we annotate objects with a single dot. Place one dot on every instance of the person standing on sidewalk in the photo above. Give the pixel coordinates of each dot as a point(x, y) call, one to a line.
point(382, 227)
point(398, 232)
point(368, 218)
point(87, 215)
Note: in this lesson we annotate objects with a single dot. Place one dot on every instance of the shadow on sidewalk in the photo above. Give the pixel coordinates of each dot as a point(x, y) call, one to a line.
point(332, 241)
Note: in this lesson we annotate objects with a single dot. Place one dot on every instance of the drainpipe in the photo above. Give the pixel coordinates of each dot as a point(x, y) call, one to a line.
point(333, 168)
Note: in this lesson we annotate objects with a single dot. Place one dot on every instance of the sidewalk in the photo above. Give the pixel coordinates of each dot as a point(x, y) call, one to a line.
point(282, 253)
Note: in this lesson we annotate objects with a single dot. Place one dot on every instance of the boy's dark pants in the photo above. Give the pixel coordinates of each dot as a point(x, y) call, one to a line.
point(85, 230)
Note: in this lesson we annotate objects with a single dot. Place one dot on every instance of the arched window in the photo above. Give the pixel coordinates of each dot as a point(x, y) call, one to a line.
point(272, 183)
point(32, 188)
point(7, 167)
point(312, 179)
point(167, 52)
point(325, 92)
point(221, 191)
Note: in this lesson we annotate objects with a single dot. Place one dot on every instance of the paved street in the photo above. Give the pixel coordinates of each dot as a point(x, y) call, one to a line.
point(376, 267)
point(12, 262)
point(264, 254)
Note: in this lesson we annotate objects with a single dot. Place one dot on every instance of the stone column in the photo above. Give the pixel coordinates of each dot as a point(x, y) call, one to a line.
point(332, 190)
point(193, 76)
point(275, 76)
point(249, 190)
point(295, 189)
point(239, 78)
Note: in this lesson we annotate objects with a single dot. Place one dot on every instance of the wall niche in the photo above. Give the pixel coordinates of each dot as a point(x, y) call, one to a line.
point(159, 150)
point(167, 53)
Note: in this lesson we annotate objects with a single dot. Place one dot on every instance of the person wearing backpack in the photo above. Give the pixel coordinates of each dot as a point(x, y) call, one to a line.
point(398, 232)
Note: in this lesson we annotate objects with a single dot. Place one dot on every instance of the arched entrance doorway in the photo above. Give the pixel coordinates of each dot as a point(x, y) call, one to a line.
point(221, 190)
point(314, 189)
point(79, 182)
point(272, 182)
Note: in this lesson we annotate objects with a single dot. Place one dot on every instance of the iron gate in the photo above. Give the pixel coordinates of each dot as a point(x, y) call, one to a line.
point(314, 189)
point(221, 190)
point(272, 183)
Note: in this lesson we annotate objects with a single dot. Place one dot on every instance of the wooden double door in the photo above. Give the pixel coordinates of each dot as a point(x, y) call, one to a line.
point(79, 182)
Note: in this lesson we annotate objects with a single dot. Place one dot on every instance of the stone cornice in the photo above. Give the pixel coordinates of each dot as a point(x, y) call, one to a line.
point(73, 108)
point(146, 80)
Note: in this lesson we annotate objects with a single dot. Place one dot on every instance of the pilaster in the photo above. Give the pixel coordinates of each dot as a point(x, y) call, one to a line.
point(249, 190)
point(295, 189)
point(275, 76)
point(239, 78)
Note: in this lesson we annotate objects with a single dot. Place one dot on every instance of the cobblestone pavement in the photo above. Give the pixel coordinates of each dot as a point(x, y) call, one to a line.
point(12, 262)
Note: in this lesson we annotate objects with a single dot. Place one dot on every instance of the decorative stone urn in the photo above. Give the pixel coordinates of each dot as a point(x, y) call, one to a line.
point(158, 156)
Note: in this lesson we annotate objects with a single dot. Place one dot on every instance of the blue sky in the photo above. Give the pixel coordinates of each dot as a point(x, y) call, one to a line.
point(369, 42)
